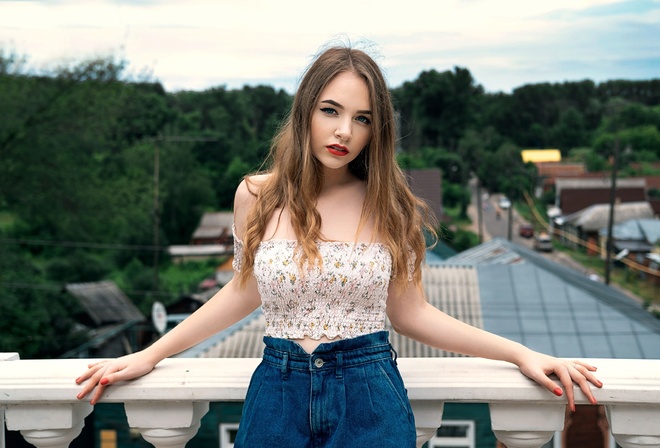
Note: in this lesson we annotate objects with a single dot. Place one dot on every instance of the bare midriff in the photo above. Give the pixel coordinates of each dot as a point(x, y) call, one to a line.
point(309, 344)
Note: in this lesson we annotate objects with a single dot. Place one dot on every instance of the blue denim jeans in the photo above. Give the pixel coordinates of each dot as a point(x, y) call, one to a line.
point(345, 394)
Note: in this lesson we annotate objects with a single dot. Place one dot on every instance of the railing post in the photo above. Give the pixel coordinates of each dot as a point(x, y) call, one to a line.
point(165, 424)
point(526, 425)
point(635, 425)
point(48, 425)
point(5, 357)
point(428, 418)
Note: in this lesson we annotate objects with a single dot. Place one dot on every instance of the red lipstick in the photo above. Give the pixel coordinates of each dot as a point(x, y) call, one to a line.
point(337, 150)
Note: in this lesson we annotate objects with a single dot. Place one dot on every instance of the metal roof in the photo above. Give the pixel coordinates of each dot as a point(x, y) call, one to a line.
point(453, 289)
point(554, 309)
point(214, 225)
point(105, 303)
point(512, 291)
point(647, 230)
point(595, 217)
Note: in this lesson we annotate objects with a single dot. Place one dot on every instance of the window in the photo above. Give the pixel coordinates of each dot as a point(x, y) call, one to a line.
point(454, 434)
point(228, 433)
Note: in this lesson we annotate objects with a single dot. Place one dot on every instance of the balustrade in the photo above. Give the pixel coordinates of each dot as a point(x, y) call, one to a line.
point(166, 406)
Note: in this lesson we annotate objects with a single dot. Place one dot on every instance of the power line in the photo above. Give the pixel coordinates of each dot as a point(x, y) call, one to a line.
point(61, 288)
point(81, 244)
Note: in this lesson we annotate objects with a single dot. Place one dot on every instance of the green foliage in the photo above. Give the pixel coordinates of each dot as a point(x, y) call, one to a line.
point(79, 144)
point(35, 319)
point(460, 239)
point(185, 277)
point(456, 195)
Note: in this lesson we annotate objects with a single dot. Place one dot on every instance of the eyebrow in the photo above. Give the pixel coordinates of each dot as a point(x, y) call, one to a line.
point(336, 104)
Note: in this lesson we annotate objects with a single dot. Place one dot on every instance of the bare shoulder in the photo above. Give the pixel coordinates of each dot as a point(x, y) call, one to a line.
point(244, 199)
point(247, 190)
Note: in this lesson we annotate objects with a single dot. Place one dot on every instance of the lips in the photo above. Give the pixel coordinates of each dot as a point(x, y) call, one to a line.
point(337, 150)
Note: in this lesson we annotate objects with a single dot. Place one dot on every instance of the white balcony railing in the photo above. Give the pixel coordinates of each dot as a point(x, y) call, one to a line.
point(38, 397)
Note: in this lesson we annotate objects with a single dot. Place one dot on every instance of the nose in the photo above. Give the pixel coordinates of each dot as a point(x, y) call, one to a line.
point(344, 130)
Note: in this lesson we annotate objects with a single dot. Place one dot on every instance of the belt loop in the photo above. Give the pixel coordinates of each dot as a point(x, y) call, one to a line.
point(339, 368)
point(285, 365)
point(394, 354)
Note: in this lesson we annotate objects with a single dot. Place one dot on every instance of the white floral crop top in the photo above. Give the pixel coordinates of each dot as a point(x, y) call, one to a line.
point(345, 298)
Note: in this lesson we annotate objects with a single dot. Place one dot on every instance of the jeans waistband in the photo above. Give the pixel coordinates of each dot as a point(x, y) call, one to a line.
point(289, 355)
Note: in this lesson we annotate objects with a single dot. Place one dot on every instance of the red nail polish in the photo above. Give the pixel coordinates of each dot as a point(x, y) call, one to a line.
point(558, 392)
point(104, 381)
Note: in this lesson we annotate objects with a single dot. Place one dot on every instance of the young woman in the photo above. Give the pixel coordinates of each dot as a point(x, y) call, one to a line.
point(329, 241)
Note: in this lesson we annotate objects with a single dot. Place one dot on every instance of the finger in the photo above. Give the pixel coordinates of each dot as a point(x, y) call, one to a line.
point(581, 378)
point(98, 394)
point(567, 381)
point(580, 367)
point(587, 366)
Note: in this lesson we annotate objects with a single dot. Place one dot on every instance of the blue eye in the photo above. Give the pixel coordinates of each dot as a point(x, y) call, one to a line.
point(363, 119)
point(328, 110)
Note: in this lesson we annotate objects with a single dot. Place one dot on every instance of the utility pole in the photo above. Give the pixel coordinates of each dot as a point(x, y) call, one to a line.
point(480, 220)
point(609, 246)
point(156, 205)
point(156, 213)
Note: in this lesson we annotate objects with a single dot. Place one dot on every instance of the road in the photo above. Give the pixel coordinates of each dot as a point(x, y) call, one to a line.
point(492, 227)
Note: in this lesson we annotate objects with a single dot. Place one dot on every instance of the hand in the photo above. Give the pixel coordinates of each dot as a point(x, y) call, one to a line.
point(538, 366)
point(102, 374)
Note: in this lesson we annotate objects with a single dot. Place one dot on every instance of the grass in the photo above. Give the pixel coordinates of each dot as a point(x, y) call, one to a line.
point(620, 275)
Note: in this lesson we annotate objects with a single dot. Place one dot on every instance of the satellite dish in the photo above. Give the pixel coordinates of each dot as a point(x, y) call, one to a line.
point(159, 317)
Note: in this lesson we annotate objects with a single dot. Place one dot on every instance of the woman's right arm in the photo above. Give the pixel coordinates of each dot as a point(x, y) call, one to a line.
point(226, 307)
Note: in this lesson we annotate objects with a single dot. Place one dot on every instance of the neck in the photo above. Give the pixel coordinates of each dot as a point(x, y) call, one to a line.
point(337, 178)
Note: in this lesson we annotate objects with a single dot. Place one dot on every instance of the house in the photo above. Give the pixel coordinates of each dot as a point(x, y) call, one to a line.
point(499, 286)
point(575, 194)
point(214, 228)
point(111, 317)
point(427, 185)
point(213, 238)
point(549, 172)
point(636, 240)
point(586, 224)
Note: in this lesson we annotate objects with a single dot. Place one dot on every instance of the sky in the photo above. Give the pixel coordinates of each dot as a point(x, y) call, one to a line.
point(201, 44)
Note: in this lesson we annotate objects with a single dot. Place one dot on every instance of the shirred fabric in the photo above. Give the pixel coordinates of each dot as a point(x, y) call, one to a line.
point(344, 297)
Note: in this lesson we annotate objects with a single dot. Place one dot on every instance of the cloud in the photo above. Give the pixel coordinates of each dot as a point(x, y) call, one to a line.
point(198, 43)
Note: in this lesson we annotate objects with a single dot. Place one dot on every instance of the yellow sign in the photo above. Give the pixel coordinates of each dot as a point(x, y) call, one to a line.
point(541, 155)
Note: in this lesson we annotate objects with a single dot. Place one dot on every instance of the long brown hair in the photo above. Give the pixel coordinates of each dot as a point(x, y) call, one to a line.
point(296, 177)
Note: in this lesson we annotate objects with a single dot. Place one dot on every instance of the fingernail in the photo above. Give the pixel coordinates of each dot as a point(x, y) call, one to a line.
point(558, 392)
point(104, 381)
point(573, 408)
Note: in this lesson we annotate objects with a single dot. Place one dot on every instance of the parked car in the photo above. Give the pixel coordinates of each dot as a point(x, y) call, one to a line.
point(543, 242)
point(504, 203)
point(526, 230)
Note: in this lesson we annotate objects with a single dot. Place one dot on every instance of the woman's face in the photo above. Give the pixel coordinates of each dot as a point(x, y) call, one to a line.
point(341, 121)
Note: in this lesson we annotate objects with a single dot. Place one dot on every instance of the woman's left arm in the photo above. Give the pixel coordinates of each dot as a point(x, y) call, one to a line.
point(412, 316)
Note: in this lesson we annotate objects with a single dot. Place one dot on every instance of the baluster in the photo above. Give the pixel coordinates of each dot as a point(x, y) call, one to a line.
point(526, 425)
point(635, 425)
point(47, 425)
point(428, 418)
point(166, 424)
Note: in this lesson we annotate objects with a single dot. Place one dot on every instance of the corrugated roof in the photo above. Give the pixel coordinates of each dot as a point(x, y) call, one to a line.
point(555, 310)
point(104, 302)
point(452, 289)
point(495, 251)
point(647, 230)
point(214, 225)
point(599, 182)
point(596, 217)
point(513, 292)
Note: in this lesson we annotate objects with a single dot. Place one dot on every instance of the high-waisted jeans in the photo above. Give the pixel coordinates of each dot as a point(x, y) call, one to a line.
point(345, 394)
